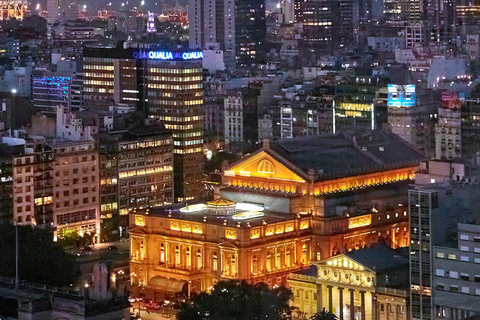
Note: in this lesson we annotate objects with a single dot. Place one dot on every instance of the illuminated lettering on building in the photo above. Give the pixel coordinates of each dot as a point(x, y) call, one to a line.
point(168, 55)
point(360, 221)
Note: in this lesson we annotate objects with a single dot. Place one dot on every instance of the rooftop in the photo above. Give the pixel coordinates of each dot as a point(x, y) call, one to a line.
point(347, 153)
point(245, 213)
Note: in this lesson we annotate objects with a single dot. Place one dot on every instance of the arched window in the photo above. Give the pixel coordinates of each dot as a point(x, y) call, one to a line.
point(162, 253)
point(233, 262)
point(278, 265)
point(304, 254)
point(189, 257)
point(215, 262)
point(142, 251)
point(269, 262)
point(288, 260)
point(255, 265)
point(199, 260)
point(266, 166)
point(177, 255)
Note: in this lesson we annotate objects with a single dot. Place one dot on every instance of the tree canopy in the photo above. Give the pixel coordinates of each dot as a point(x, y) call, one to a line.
point(41, 260)
point(234, 300)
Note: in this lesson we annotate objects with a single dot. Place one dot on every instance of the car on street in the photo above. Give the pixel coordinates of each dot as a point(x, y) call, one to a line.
point(153, 306)
point(112, 248)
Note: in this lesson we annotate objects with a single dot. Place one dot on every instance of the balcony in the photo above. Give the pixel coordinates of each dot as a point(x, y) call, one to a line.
point(171, 267)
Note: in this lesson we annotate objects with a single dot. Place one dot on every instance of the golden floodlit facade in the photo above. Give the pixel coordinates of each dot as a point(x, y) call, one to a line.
point(269, 218)
point(353, 290)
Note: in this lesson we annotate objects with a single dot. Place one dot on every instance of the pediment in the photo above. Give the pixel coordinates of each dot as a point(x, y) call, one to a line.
point(263, 165)
point(344, 262)
point(227, 245)
point(137, 231)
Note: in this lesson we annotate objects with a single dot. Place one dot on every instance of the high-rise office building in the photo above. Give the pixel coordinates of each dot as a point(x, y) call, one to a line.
point(164, 86)
point(436, 211)
point(237, 27)
point(136, 171)
point(329, 25)
point(61, 11)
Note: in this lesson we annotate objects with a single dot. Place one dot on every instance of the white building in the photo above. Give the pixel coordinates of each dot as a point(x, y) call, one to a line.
point(233, 106)
point(71, 127)
point(448, 136)
point(60, 11)
point(204, 27)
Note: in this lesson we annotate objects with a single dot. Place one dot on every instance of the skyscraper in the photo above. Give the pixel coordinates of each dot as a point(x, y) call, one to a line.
point(60, 11)
point(164, 86)
point(235, 26)
point(328, 25)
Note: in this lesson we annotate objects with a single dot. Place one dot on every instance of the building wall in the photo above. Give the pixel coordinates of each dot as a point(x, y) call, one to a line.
point(23, 187)
point(175, 96)
point(233, 121)
point(76, 188)
point(178, 249)
point(456, 278)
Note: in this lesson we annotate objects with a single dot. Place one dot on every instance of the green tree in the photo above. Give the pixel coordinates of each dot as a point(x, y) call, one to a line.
point(41, 260)
point(324, 315)
point(234, 300)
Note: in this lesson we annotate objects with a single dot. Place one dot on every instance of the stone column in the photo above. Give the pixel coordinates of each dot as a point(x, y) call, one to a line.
point(330, 298)
point(340, 303)
point(362, 305)
point(352, 304)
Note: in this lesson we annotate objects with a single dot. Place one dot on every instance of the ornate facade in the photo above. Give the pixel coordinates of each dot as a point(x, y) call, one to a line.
point(270, 219)
point(353, 290)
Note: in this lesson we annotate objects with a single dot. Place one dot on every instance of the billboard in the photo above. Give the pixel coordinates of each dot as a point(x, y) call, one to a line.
point(451, 100)
point(401, 95)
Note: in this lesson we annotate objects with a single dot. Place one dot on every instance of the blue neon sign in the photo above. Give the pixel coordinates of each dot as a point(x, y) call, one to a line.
point(168, 55)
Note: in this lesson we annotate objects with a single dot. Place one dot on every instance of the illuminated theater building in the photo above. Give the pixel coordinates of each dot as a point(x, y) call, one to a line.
point(163, 85)
point(278, 210)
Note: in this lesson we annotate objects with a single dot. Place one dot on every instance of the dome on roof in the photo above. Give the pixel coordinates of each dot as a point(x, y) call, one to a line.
point(221, 207)
point(220, 202)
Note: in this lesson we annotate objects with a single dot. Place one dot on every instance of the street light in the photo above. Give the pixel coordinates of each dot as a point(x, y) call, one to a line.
point(14, 90)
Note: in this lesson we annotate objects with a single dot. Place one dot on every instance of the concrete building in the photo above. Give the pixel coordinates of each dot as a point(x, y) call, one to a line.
point(76, 188)
point(61, 11)
point(436, 211)
point(51, 92)
point(35, 301)
point(233, 114)
point(136, 171)
point(448, 131)
point(165, 86)
point(456, 281)
point(229, 26)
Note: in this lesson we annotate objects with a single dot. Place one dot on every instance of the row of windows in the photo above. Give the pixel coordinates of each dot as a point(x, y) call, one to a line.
point(466, 237)
point(187, 151)
point(74, 217)
point(174, 87)
point(175, 71)
point(452, 256)
point(76, 202)
point(109, 206)
point(99, 83)
point(179, 79)
point(97, 67)
point(455, 288)
point(454, 275)
point(145, 144)
point(98, 75)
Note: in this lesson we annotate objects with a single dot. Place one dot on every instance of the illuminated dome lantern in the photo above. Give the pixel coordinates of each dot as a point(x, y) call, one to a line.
point(221, 207)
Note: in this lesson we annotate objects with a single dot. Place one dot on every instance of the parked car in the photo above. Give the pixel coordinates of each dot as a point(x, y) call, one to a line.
point(153, 306)
point(112, 248)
